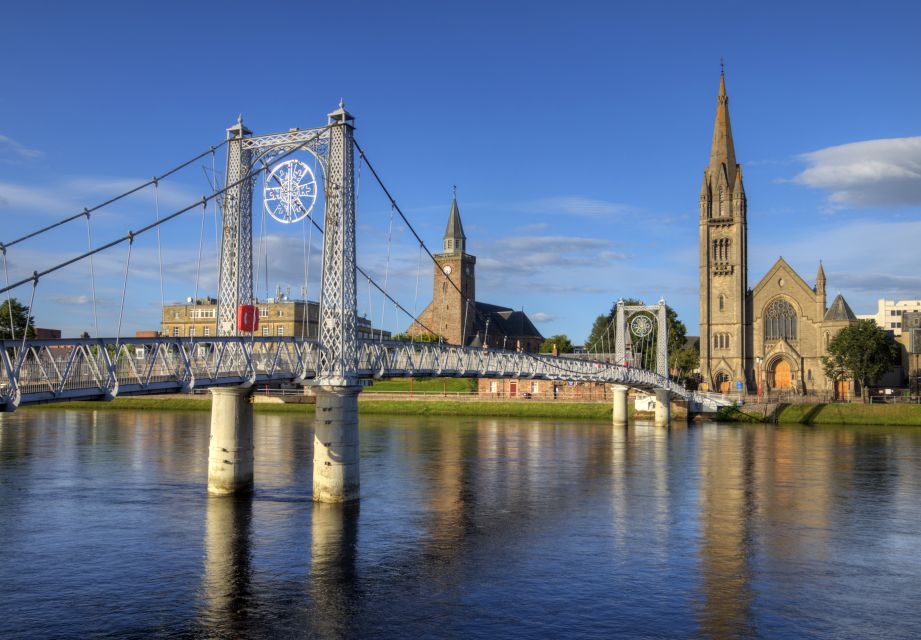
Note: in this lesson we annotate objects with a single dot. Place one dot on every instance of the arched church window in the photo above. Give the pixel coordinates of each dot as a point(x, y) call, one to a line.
point(722, 302)
point(780, 321)
point(716, 341)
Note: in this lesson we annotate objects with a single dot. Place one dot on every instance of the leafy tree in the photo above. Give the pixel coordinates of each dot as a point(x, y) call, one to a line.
point(685, 360)
point(419, 337)
point(602, 336)
point(562, 343)
point(22, 321)
point(861, 351)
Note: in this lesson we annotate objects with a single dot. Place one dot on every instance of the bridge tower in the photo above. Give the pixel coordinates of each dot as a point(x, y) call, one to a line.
point(235, 279)
point(335, 463)
point(335, 443)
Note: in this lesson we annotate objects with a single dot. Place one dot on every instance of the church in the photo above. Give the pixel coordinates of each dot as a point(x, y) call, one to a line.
point(456, 315)
point(769, 337)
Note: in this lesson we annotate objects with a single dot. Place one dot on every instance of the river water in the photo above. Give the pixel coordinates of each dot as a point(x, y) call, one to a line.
point(467, 528)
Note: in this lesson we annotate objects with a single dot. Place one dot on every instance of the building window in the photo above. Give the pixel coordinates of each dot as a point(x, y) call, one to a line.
point(722, 302)
point(191, 332)
point(281, 330)
point(175, 332)
point(493, 386)
point(535, 387)
point(265, 330)
point(207, 331)
point(780, 321)
point(263, 312)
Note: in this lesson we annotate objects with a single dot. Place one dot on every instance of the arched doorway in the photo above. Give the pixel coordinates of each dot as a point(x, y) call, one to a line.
point(722, 382)
point(781, 376)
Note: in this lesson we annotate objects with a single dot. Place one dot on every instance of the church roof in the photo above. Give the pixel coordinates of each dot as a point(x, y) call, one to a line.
point(504, 321)
point(839, 311)
point(454, 229)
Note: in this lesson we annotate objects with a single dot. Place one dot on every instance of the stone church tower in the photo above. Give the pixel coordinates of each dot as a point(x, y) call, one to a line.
point(723, 259)
point(453, 307)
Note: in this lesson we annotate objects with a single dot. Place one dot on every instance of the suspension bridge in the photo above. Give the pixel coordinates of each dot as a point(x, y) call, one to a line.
point(235, 358)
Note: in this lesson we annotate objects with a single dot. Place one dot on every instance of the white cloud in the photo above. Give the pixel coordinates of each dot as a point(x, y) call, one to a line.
point(541, 316)
point(9, 147)
point(872, 173)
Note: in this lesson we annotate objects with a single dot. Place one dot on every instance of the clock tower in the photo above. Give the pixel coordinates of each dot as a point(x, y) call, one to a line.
point(454, 293)
point(453, 311)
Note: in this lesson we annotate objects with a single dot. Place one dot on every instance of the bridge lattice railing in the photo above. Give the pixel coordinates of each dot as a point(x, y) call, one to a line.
point(71, 369)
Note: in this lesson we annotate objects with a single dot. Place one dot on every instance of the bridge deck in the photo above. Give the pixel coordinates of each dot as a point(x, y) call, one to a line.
point(38, 371)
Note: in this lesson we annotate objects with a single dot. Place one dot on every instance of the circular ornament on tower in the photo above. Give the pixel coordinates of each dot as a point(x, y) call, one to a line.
point(290, 191)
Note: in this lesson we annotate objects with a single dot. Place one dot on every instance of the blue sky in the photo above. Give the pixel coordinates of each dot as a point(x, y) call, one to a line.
point(576, 132)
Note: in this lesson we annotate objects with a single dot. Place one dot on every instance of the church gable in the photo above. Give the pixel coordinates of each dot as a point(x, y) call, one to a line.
point(782, 280)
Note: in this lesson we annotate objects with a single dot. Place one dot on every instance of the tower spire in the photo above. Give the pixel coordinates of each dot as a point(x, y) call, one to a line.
point(454, 239)
point(722, 153)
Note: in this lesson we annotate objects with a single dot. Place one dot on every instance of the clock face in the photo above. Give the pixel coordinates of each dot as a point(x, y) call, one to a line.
point(447, 269)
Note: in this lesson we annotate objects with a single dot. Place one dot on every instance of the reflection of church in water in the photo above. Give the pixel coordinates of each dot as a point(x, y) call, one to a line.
point(771, 336)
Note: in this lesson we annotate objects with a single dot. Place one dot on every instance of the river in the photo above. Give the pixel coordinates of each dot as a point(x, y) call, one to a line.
point(467, 528)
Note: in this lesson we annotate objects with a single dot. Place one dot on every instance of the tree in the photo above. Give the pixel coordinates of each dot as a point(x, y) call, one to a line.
point(419, 337)
point(22, 321)
point(562, 343)
point(685, 360)
point(861, 351)
point(601, 339)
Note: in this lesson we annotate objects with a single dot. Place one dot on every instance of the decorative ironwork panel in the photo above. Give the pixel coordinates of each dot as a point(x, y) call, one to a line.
point(338, 362)
point(235, 279)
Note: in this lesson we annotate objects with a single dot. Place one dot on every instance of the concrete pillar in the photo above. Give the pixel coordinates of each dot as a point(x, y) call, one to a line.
point(663, 408)
point(620, 405)
point(335, 445)
point(230, 453)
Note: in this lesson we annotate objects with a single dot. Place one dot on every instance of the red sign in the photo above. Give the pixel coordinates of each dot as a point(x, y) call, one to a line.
point(247, 318)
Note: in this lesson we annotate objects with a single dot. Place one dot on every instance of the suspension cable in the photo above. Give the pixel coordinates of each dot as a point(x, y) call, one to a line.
point(121, 310)
point(201, 242)
point(418, 273)
point(159, 250)
point(89, 247)
point(9, 298)
point(387, 267)
point(154, 225)
point(153, 180)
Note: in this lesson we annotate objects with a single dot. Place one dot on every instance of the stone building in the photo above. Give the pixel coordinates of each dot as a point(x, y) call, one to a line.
point(455, 314)
point(278, 316)
point(769, 337)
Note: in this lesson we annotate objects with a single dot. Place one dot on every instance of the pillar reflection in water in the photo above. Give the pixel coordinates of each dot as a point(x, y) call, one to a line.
point(333, 576)
point(227, 582)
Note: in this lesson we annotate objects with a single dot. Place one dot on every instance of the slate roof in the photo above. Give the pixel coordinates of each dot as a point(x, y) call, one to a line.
point(454, 229)
point(839, 311)
point(504, 321)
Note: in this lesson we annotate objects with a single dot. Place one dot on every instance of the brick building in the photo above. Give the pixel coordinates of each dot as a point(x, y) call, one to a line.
point(456, 315)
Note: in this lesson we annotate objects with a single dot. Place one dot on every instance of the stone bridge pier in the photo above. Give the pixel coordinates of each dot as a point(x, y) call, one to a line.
point(335, 445)
point(230, 450)
point(663, 408)
point(620, 405)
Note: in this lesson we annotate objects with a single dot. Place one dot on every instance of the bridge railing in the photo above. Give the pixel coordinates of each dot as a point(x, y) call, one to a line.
point(54, 370)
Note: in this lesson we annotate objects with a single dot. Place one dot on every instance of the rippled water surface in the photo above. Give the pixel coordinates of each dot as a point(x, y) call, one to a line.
point(467, 528)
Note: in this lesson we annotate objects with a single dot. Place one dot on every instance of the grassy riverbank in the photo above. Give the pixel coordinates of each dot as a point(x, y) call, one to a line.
point(514, 409)
point(850, 414)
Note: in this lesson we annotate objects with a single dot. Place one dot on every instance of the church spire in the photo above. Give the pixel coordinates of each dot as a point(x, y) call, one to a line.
point(820, 278)
point(722, 153)
point(454, 239)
